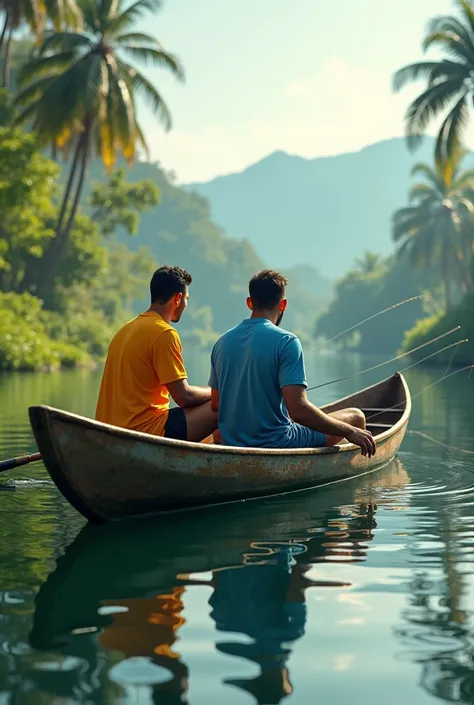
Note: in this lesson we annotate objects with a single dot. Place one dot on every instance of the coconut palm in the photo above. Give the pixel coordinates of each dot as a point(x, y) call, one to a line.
point(438, 225)
point(35, 13)
point(369, 262)
point(449, 81)
point(79, 92)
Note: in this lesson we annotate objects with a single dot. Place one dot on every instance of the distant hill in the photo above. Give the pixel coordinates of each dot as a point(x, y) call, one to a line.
point(322, 212)
point(181, 231)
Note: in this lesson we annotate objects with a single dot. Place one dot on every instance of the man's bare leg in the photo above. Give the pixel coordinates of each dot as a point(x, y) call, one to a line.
point(354, 417)
point(201, 421)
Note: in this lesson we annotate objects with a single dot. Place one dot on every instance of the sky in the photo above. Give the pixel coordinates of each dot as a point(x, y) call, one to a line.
point(309, 77)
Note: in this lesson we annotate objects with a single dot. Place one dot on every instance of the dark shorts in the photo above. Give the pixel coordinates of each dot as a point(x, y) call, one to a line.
point(176, 426)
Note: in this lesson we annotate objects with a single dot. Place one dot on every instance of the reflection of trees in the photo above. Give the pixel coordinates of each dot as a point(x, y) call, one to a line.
point(437, 631)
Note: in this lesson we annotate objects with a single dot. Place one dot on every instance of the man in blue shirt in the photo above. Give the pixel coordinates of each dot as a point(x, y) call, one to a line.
point(258, 382)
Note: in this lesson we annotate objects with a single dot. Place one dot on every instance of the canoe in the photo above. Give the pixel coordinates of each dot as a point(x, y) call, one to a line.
point(109, 473)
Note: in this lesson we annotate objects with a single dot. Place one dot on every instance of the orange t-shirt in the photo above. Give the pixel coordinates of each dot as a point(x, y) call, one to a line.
point(144, 356)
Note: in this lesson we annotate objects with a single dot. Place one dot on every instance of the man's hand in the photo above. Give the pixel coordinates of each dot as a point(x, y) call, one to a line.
point(363, 439)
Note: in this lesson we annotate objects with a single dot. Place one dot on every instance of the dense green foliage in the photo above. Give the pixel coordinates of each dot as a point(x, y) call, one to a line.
point(361, 294)
point(429, 328)
point(95, 286)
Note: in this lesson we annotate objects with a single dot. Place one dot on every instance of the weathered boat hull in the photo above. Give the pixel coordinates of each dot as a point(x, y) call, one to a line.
point(108, 473)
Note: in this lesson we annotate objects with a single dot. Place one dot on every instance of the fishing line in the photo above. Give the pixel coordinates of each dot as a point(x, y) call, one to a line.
point(394, 408)
point(387, 362)
point(366, 320)
point(427, 437)
point(448, 347)
point(453, 355)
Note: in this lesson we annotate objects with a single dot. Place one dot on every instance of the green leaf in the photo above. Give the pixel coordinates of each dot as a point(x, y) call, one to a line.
point(155, 57)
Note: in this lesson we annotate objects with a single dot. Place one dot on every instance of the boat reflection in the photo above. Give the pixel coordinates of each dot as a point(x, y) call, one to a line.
point(120, 591)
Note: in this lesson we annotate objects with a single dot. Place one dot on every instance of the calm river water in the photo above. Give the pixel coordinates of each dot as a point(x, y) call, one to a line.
point(360, 593)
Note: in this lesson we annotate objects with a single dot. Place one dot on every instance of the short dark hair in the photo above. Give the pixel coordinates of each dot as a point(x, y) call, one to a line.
point(267, 288)
point(167, 282)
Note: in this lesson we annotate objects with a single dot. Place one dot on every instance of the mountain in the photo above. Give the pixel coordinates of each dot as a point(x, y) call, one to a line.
point(323, 212)
point(180, 231)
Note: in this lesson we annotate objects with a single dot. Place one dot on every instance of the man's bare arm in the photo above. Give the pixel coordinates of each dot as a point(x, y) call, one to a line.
point(215, 400)
point(186, 395)
point(303, 412)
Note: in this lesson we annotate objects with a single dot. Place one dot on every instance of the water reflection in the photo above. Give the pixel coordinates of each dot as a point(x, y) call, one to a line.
point(117, 600)
point(436, 631)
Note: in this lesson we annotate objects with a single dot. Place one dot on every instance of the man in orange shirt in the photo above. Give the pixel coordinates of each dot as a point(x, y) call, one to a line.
point(145, 366)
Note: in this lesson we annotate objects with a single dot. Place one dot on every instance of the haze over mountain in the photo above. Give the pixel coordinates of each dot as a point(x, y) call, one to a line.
point(322, 212)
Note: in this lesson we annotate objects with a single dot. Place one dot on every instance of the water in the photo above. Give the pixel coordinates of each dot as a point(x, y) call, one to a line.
point(360, 592)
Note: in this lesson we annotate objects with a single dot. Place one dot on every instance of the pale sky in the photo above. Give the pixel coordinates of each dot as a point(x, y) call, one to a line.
point(310, 77)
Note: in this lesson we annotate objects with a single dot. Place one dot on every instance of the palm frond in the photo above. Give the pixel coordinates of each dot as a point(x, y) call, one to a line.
point(467, 12)
point(90, 14)
point(453, 26)
point(433, 71)
point(156, 57)
point(48, 65)
point(135, 37)
point(124, 114)
point(64, 12)
point(427, 106)
point(66, 41)
point(420, 192)
point(449, 138)
point(141, 139)
point(466, 180)
point(431, 175)
point(450, 43)
point(123, 20)
point(138, 83)
point(33, 91)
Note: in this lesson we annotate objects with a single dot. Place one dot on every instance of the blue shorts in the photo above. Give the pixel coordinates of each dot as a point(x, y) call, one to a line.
point(304, 437)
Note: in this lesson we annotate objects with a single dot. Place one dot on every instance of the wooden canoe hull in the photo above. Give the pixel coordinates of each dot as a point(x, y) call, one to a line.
point(108, 473)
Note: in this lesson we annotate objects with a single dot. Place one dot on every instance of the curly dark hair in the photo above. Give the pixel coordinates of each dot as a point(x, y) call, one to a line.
point(167, 282)
point(267, 288)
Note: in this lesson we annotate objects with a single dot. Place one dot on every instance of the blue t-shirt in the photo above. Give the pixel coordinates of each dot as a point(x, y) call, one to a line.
point(249, 366)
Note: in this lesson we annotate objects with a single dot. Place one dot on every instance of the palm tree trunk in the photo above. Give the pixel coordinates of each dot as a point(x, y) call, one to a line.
point(70, 182)
point(8, 59)
point(36, 270)
point(464, 272)
point(80, 185)
point(447, 283)
point(58, 245)
point(4, 30)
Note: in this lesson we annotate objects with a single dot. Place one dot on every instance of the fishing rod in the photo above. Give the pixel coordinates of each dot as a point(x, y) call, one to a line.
point(387, 362)
point(366, 320)
point(441, 379)
point(428, 357)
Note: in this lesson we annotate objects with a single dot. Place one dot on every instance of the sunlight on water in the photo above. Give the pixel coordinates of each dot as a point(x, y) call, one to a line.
point(360, 592)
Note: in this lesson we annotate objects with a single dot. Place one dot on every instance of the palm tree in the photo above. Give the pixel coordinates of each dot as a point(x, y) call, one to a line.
point(35, 13)
point(368, 263)
point(79, 92)
point(438, 225)
point(450, 81)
